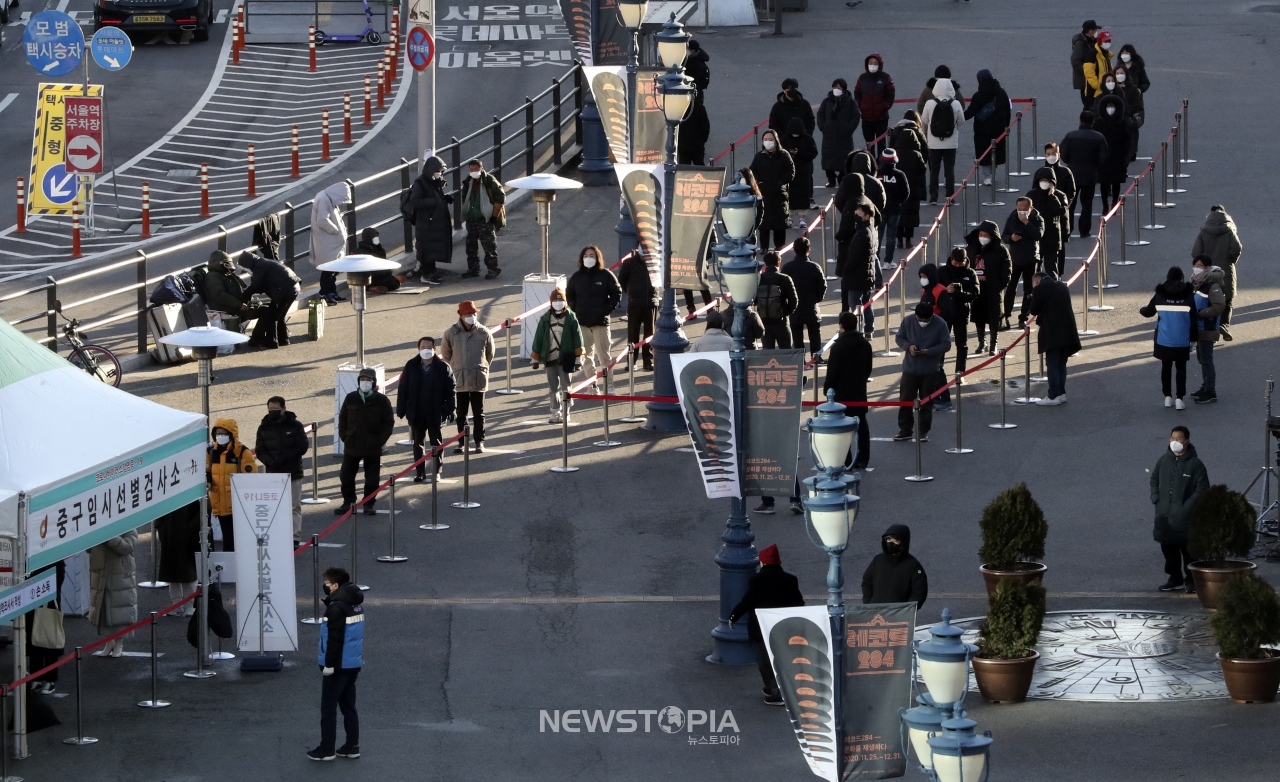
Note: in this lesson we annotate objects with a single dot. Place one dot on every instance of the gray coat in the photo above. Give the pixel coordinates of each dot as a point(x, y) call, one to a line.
point(113, 587)
point(468, 354)
point(328, 230)
point(711, 341)
point(1177, 485)
point(932, 342)
point(1218, 240)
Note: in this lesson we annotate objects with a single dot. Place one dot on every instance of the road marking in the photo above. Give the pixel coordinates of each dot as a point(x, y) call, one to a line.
point(221, 18)
point(62, 5)
point(10, 98)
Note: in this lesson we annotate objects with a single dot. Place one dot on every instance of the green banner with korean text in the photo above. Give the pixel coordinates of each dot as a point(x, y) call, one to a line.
point(693, 212)
point(877, 686)
point(774, 396)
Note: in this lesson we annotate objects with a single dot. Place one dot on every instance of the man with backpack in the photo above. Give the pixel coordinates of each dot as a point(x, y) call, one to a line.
point(942, 118)
point(775, 301)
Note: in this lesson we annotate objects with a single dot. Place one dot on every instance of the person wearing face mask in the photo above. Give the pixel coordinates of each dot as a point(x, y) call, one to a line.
point(962, 288)
point(848, 370)
point(426, 399)
point(222, 288)
point(371, 244)
point(1178, 483)
point(1085, 152)
point(224, 458)
point(642, 303)
point(1177, 328)
point(874, 93)
point(897, 191)
point(894, 576)
point(1052, 205)
point(838, 117)
point(941, 119)
point(1219, 240)
point(791, 103)
point(365, 422)
point(775, 302)
point(991, 112)
point(1064, 183)
point(484, 213)
point(938, 296)
point(1022, 233)
point(468, 347)
point(593, 292)
point(774, 171)
point(924, 340)
point(427, 208)
point(329, 235)
point(1114, 171)
point(1056, 334)
point(282, 287)
point(340, 659)
point(1098, 65)
point(800, 145)
point(280, 444)
point(1135, 107)
point(908, 143)
point(1082, 51)
point(557, 342)
point(1136, 67)
point(1211, 300)
point(991, 266)
point(811, 287)
point(856, 243)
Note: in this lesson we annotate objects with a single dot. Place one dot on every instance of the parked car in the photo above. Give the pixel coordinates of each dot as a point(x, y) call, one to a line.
point(155, 16)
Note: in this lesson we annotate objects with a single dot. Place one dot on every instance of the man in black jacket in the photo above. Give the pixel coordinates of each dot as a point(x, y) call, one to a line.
point(1082, 51)
point(691, 143)
point(1054, 206)
point(894, 576)
point(280, 445)
point(962, 287)
point(771, 587)
point(1066, 184)
point(790, 104)
point(896, 191)
point(365, 422)
point(426, 398)
point(848, 369)
point(593, 292)
point(642, 302)
point(222, 288)
point(857, 236)
point(1084, 150)
point(1022, 233)
point(282, 286)
point(1058, 338)
point(811, 286)
point(775, 301)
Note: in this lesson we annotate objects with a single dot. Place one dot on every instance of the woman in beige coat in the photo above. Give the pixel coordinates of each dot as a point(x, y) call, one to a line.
point(113, 587)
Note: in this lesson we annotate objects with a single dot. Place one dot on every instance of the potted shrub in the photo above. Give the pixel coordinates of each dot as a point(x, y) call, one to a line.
point(1007, 655)
point(1248, 617)
point(1220, 527)
point(1013, 533)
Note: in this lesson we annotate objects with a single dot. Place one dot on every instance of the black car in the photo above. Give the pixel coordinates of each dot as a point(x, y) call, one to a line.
point(158, 16)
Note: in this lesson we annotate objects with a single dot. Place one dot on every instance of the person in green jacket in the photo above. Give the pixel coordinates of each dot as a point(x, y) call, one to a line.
point(558, 344)
point(1178, 482)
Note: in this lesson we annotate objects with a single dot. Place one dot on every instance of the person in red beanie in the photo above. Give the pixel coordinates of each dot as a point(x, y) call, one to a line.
point(770, 587)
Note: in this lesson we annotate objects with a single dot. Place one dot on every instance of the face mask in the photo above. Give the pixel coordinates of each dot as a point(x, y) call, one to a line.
point(1024, 215)
point(327, 590)
point(1106, 47)
point(1125, 57)
point(1176, 446)
point(922, 323)
point(836, 91)
point(1045, 184)
point(557, 305)
point(366, 386)
point(1120, 77)
point(872, 68)
point(275, 415)
point(377, 240)
point(1051, 159)
point(1197, 272)
point(1111, 110)
point(893, 549)
point(222, 439)
point(470, 320)
point(769, 145)
point(426, 354)
point(924, 282)
point(1111, 85)
point(228, 269)
point(984, 240)
point(589, 261)
point(474, 174)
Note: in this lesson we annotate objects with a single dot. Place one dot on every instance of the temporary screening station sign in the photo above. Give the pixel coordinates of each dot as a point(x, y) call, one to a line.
point(262, 507)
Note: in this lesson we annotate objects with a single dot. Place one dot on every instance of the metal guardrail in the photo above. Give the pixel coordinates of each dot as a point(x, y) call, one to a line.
point(531, 136)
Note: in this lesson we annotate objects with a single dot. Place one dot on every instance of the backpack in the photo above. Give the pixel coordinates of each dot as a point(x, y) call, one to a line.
point(769, 302)
point(174, 289)
point(405, 211)
point(943, 122)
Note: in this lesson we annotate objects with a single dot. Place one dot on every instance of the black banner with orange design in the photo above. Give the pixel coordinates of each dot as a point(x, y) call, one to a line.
point(877, 685)
point(774, 396)
point(693, 213)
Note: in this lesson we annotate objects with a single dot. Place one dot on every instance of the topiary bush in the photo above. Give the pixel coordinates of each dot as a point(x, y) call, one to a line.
point(1248, 616)
point(1221, 526)
point(1013, 529)
point(1014, 615)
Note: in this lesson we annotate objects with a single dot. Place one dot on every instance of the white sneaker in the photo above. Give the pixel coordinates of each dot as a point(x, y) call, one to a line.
point(1047, 402)
point(986, 181)
point(1062, 399)
point(1178, 404)
point(1168, 401)
point(554, 419)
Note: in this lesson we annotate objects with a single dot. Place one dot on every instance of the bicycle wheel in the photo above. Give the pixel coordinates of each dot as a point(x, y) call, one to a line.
point(99, 362)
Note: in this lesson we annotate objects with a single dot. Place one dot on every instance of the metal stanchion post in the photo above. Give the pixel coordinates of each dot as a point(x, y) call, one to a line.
point(993, 201)
point(507, 359)
point(1026, 374)
point(393, 556)
point(1041, 377)
point(1124, 234)
point(466, 503)
point(1105, 257)
point(888, 351)
point(564, 435)
point(155, 582)
point(1018, 120)
point(1177, 154)
point(1101, 306)
point(1164, 202)
point(1186, 131)
point(315, 498)
point(815, 373)
point(314, 619)
point(1138, 241)
point(4, 735)
point(155, 702)
point(1084, 299)
point(919, 477)
point(825, 260)
point(1153, 225)
point(959, 449)
point(607, 442)
point(631, 418)
point(355, 548)
point(964, 208)
point(1035, 140)
point(1003, 385)
point(435, 524)
point(79, 739)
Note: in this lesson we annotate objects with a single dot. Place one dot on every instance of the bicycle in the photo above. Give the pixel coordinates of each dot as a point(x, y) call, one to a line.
point(94, 359)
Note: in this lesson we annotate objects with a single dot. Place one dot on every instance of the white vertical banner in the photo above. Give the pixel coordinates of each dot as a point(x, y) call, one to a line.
point(799, 644)
point(609, 88)
point(641, 187)
point(705, 388)
point(262, 507)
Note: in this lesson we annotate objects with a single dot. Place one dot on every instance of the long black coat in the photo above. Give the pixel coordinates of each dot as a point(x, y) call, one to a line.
point(988, 123)
point(1055, 316)
point(1115, 169)
point(633, 277)
point(848, 367)
point(861, 162)
point(837, 119)
point(787, 107)
point(281, 444)
point(425, 398)
point(364, 426)
point(803, 150)
point(1084, 151)
point(432, 218)
point(991, 264)
point(913, 151)
point(179, 534)
point(592, 294)
point(857, 251)
point(774, 172)
point(772, 587)
point(271, 277)
point(895, 578)
point(1054, 207)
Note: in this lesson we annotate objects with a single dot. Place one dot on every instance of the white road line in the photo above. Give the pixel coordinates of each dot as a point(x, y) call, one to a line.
point(221, 18)
point(10, 98)
point(62, 5)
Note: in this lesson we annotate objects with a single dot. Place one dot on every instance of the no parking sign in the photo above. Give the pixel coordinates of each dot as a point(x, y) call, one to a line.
point(421, 49)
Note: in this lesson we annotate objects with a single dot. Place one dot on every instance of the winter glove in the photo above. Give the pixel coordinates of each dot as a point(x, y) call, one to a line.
point(327, 671)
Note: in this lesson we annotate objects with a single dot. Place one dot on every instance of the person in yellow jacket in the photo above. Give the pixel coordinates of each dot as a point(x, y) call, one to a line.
point(1096, 69)
point(226, 457)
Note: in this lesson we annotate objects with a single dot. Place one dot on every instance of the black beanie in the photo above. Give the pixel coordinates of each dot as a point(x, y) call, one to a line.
point(1174, 275)
point(924, 310)
point(942, 72)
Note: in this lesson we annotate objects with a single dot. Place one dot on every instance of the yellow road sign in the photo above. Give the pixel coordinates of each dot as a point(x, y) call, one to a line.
point(52, 188)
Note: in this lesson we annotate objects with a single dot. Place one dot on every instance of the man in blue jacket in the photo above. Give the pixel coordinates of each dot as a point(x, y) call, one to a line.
point(925, 339)
point(341, 656)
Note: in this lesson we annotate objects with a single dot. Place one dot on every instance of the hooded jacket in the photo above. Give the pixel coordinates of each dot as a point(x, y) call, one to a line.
point(342, 637)
point(223, 291)
point(837, 119)
point(770, 587)
point(935, 293)
point(964, 277)
point(592, 294)
point(221, 462)
point(908, 141)
point(426, 394)
point(281, 443)
point(1054, 207)
point(113, 585)
point(1177, 327)
point(1066, 180)
point(1136, 67)
point(488, 194)
point(944, 96)
point(1178, 483)
point(364, 425)
point(857, 242)
point(849, 368)
point(328, 229)
point(860, 174)
point(1115, 169)
point(897, 577)
point(803, 150)
point(431, 217)
point(468, 353)
point(787, 107)
point(1055, 316)
point(1211, 300)
point(1081, 51)
point(874, 92)
point(1218, 239)
point(991, 113)
point(991, 264)
point(1025, 251)
point(926, 94)
point(697, 67)
point(774, 172)
point(774, 283)
point(567, 350)
point(272, 278)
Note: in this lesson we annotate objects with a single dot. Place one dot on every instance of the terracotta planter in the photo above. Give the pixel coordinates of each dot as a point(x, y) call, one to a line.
point(1250, 681)
point(1026, 572)
point(1210, 577)
point(1005, 681)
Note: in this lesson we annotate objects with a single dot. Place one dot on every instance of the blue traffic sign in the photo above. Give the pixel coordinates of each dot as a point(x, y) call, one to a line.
point(421, 49)
point(110, 48)
point(60, 186)
point(54, 43)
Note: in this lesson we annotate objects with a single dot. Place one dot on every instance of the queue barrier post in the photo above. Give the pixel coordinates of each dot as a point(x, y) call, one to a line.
point(315, 498)
point(1004, 424)
point(919, 476)
point(1138, 241)
point(1164, 202)
point(631, 418)
point(1035, 140)
point(355, 547)
point(607, 442)
point(155, 702)
point(1153, 225)
point(314, 619)
point(155, 582)
point(1124, 235)
point(4, 734)
point(393, 556)
point(1101, 285)
point(79, 739)
point(1177, 154)
point(1186, 131)
point(466, 503)
point(959, 449)
point(435, 524)
point(888, 351)
point(1018, 121)
point(564, 435)
point(1027, 399)
point(508, 390)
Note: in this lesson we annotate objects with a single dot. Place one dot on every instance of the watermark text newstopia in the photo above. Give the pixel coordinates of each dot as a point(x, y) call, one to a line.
point(670, 719)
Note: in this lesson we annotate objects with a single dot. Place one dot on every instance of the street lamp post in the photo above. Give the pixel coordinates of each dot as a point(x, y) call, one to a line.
point(737, 559)
point(544, 187)
point(359, 270)
point(676, 92)
point(631, 13)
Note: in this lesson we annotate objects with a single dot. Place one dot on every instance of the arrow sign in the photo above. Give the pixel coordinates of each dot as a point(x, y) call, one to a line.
point(421, 49)
point(110, 48)
point(59, 186)
point(83, 153)
point(53, 43)
point(83, 127)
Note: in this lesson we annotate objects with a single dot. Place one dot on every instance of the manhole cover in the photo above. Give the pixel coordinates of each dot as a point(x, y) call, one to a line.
point(1110, 656)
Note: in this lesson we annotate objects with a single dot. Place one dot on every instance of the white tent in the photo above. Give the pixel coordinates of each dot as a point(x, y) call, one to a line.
point(92, 460)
